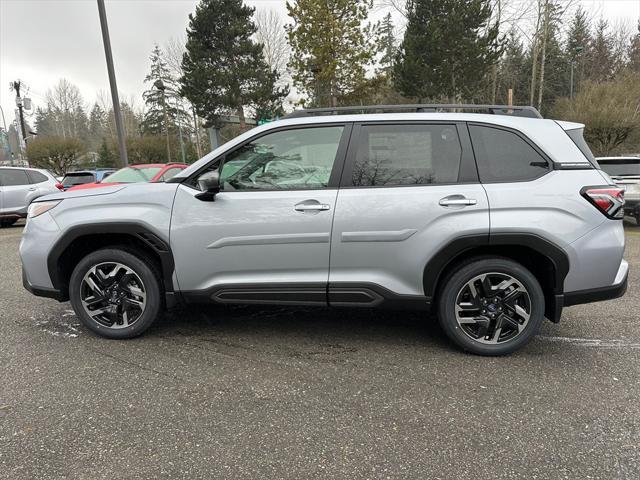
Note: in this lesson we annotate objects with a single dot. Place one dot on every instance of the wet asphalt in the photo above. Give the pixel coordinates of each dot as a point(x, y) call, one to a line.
point(297, 393)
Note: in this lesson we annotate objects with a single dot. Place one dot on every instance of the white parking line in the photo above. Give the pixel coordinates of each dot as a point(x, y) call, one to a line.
point(592, 342)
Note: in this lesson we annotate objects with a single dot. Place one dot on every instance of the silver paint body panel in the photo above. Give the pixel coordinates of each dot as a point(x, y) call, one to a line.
point(383, 235)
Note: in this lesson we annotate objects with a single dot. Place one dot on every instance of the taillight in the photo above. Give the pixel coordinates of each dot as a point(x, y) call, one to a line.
point(60, 187)
point(609, 199)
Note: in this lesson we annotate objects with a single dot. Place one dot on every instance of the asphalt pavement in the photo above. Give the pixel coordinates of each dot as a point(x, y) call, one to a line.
point(296, 393)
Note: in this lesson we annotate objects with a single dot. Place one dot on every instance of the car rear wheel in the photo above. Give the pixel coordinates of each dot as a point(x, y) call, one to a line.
point(115, 293)
point(491, 306)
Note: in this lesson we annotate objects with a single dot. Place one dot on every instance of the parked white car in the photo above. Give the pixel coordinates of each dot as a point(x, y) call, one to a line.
point(625, 172)
point(21, 186)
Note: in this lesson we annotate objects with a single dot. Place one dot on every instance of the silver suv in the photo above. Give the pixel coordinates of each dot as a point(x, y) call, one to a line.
point(21, 186)
point(494, 220)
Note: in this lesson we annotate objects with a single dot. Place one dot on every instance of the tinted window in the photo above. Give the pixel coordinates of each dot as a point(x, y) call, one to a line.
point(133, 175)
point(170, 173)
point(71, 179)
point(290, 159)
point(389, 155)
point(576, 135)
point(10, 178)
point(621, 167)
point(504, 156)
point(36, 177)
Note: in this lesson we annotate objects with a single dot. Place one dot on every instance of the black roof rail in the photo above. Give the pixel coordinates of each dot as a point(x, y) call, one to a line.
point(516, 111)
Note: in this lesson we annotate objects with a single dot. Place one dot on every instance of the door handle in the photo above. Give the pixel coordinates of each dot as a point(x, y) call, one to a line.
point(303, 207)
point(32, 189)
point(457, 201)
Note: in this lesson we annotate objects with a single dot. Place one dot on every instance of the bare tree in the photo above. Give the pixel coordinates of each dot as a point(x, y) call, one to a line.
point(66, 105)
point(272, 35)
point(173, 52)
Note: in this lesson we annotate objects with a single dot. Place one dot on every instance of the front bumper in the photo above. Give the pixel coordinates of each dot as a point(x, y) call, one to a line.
point(42, 291)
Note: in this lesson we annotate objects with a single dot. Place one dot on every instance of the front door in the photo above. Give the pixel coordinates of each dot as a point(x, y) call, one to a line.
point(266, 235)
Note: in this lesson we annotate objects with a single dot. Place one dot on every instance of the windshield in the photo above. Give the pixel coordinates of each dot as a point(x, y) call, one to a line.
point(133, 175)
point(621, 167)
point(71, 179)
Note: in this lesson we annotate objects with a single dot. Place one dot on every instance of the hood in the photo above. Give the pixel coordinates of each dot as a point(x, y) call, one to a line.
point(87, 192)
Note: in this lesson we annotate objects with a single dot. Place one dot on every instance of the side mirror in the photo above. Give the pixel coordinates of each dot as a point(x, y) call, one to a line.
point(209, 183)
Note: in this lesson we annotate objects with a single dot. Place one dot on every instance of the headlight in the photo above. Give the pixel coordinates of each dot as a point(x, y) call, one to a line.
point(38, 208)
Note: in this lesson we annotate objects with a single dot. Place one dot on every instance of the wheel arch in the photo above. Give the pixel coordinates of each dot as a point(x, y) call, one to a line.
point(81, 240)
point(546, 261)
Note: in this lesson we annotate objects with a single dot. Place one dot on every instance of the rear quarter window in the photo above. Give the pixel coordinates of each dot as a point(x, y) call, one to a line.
point(504, 156)
point(36, 177)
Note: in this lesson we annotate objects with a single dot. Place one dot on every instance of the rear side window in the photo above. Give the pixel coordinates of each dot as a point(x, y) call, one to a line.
point(36, 177)
point(504, 156)
point(394, 155)
point(12, 178)
point(71, 179)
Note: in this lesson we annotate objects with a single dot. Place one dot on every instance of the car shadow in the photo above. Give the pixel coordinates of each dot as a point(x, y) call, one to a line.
point(262, 323)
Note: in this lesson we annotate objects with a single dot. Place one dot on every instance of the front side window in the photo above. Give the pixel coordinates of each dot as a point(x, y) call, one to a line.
point(291, 159)
point(393, 155)
point(12, 178)
point(504, 156)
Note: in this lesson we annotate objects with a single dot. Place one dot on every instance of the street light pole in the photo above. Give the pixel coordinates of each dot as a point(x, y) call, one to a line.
point(112, 82)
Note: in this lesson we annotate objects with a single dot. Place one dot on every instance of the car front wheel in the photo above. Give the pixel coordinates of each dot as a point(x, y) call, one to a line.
point(115, 293)
point(491, 306)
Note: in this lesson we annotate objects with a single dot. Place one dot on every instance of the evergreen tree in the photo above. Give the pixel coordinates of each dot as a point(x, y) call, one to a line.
point(602, 61)
point(448, 48)
point(97, 126)
point(157, 100)
point(330, 48)
point(578, 44)
point(224, 69)
point(106, 157)
point(512, 72)
point(387, 42)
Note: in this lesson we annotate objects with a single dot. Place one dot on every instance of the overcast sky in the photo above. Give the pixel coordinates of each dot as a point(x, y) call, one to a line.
point(42, 41)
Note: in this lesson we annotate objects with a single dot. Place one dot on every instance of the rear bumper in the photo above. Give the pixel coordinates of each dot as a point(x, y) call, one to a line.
point(609, 292)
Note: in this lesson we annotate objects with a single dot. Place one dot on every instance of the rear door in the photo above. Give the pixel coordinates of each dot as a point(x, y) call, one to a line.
point(408, 189)
point(15, 188)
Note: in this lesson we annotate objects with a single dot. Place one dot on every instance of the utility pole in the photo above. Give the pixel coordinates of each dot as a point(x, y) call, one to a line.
point(16, 87)
point(6, 133)
point(112, 82)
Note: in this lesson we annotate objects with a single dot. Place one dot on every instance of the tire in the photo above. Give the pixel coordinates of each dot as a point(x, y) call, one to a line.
point(127, 290)
point(507, 296)
point(7, 222)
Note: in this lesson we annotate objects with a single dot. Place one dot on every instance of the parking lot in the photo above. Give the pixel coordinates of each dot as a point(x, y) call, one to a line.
point(257, 392)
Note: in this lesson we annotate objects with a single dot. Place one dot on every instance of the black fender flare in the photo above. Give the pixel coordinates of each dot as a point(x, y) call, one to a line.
point(134, 229)
point(446, 255)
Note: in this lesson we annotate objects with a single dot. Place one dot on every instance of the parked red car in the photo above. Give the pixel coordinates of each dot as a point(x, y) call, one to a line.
point(147, 172)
